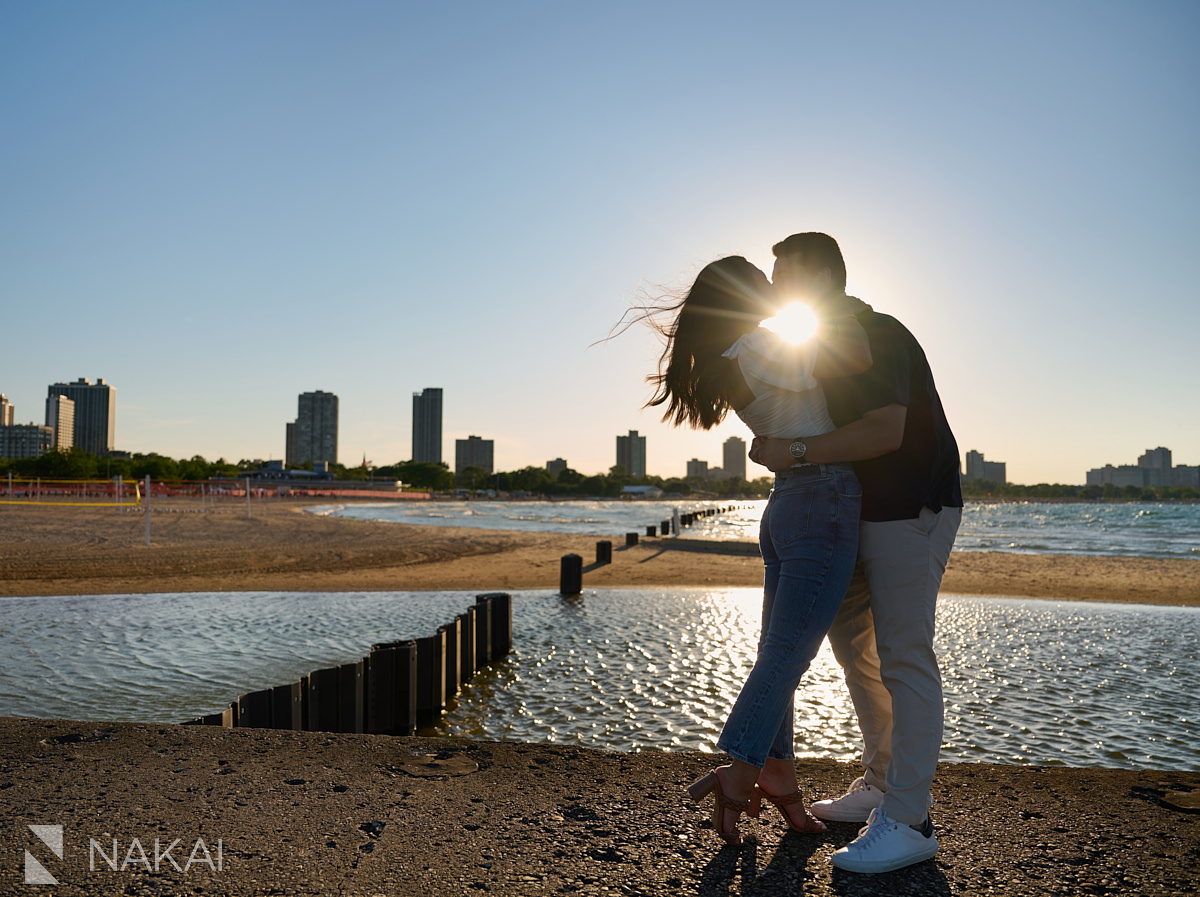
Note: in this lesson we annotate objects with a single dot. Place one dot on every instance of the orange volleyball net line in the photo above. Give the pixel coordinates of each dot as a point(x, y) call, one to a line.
point(114, 493)
point(130, 494)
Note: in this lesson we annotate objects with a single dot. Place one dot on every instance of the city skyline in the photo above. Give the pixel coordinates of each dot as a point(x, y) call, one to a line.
point(316, 426)
point(319, 208)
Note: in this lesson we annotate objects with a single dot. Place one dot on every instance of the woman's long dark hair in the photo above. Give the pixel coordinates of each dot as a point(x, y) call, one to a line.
point(694, 380)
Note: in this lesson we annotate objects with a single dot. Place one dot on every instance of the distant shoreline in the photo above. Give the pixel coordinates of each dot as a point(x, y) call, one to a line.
point(280, 547)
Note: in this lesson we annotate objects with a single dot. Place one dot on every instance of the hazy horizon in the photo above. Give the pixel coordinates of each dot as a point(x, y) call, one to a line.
point(218, 207)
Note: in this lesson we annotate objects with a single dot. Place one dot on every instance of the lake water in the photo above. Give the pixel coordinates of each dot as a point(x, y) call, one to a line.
point(1035, 682)
point(1138, 529)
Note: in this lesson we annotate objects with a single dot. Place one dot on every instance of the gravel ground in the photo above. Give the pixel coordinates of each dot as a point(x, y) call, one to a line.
point(283, 812)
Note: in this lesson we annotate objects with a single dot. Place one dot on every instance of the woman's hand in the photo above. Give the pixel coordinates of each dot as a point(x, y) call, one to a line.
point(773, 454)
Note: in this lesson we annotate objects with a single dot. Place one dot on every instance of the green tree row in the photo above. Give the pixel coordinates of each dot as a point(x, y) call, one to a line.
point(988, 489)
point(78, 464)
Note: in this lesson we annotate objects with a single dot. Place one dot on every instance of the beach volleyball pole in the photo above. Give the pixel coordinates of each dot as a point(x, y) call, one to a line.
point(147, 510)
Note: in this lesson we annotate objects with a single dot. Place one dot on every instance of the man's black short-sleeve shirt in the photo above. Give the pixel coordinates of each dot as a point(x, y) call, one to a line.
point(923, 472)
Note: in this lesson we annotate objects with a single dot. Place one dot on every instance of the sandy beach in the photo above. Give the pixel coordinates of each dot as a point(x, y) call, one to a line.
point(319, 813)
point(54, 550)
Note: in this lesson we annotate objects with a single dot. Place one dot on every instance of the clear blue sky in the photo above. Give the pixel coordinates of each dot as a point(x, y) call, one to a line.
point(217, 206)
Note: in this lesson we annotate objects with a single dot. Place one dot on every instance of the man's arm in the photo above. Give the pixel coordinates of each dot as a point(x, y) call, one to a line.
point(875, 433)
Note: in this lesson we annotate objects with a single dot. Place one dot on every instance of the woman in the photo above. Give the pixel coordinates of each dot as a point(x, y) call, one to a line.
point(719, 359)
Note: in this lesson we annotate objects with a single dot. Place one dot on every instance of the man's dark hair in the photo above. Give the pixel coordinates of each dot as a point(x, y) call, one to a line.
point(815, 251)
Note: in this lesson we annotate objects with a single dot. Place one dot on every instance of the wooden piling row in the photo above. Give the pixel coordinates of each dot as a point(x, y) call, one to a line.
point(570, 577)
point(396, 689)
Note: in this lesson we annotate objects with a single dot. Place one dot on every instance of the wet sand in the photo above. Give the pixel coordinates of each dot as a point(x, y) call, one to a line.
point(51, 550)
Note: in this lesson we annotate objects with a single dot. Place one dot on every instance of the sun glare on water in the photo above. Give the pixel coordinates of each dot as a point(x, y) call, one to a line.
point(795, 323)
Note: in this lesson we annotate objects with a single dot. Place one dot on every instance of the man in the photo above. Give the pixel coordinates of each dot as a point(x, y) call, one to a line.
point(891, 424)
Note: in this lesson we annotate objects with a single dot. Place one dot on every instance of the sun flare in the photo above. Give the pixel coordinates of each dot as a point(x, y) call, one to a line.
point(795, 323)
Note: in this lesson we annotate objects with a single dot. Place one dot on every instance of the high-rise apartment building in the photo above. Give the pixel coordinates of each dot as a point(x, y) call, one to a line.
point(24, 441)
point(427, 426)
point(979, 469)
point(95, 413)
point(557, 466)
point(1157, 463)
point(474, 452)
point(698, 469)
point(1153, 469)
point(6, 411)
point(60, 418)
point(314, 434)
point(733, 457)
point(631, 453)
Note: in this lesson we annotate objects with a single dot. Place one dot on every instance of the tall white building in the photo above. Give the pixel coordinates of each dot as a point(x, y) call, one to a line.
point(60, 418)
point(6, 411)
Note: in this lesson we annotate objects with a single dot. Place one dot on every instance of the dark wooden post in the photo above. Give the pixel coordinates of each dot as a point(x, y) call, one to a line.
point(570, 575)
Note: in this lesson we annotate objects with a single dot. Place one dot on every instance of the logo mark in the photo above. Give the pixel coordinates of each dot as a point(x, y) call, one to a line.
point(35, 872)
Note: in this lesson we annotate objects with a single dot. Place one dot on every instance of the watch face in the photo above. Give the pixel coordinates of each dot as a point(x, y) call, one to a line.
point(798, 449)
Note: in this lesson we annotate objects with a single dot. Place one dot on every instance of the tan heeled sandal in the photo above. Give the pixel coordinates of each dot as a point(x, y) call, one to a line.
point(711, 784)
point(811, 824)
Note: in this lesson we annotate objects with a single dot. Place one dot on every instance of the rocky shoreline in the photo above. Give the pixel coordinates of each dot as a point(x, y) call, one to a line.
point(283, 812)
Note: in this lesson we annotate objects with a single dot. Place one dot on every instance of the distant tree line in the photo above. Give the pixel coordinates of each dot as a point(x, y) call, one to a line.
point(77, 464)
point(1108, 492)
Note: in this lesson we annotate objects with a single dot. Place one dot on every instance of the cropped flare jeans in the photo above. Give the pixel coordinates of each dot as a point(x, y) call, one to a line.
point(809, 541)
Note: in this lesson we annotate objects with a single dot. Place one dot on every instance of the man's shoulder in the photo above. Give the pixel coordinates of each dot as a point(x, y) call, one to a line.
point(879, 325)
point(868, 317)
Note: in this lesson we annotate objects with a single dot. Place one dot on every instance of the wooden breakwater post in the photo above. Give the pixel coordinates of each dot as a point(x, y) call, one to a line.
point(396, 688)
point(501, 621)
point(631, 539)
point(431, 678)
point(666, 527)
point(391, 696)
point(652, 530)
point(603, 552)
point(468, 661)
point(570, 575)
point(453, 666)
point(287, 706)
point(254, 709)
point(483, 633)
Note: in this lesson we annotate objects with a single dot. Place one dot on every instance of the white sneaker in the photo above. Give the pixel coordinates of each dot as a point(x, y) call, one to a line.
point(855, 805)
point(884, 844)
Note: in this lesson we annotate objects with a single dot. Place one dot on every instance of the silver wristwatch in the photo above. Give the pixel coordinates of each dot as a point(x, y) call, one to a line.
point(798, 450)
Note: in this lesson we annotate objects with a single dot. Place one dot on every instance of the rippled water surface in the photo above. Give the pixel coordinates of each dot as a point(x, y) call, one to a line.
point(1026, 681)
point(1139, 529)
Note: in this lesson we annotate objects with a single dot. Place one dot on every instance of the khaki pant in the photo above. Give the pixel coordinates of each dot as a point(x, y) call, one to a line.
point(883, 638)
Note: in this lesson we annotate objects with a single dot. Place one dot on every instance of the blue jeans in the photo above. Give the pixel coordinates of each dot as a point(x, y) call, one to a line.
point(809, 541)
